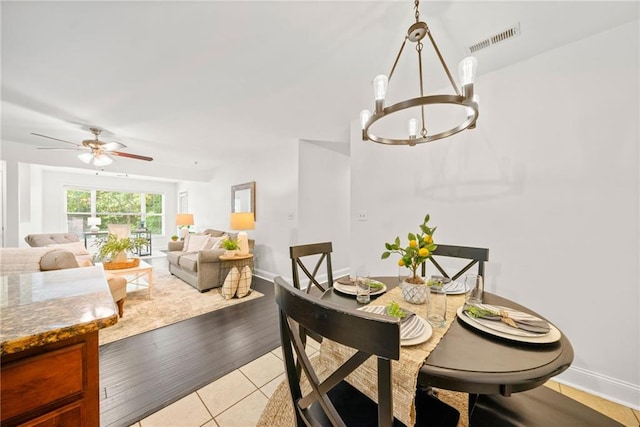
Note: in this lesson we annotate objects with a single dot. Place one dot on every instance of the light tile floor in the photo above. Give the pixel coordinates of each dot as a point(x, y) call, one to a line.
point(238, 398)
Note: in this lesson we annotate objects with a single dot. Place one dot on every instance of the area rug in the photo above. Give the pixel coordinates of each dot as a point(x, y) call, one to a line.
point(173, 301)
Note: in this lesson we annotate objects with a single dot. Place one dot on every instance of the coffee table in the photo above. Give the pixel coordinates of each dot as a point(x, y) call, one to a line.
point(133, 274)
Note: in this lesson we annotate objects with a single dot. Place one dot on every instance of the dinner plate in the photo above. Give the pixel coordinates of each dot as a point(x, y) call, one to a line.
point(351, 289)
point(454, 288)
point(553, 335)
point(414, 331)
point(503, 327)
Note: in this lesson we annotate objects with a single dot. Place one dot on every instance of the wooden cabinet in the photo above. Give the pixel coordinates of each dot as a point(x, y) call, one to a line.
point(52, 385)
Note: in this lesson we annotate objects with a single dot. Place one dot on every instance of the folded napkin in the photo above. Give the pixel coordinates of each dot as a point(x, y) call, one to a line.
point(373, 284)
point(517, 320)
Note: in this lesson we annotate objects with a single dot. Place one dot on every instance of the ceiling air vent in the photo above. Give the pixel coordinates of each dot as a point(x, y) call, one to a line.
point(496, 38)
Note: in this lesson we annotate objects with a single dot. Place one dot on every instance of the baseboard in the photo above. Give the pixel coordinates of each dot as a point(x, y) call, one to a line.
point(603, 386)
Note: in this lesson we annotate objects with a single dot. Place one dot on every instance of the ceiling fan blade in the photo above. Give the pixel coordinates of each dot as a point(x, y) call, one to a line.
point(113, 145)
point(131, 156)
point(55, 139)
point(59, 148)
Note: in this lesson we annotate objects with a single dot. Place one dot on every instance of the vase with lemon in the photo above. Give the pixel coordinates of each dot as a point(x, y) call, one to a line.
point(419, 248)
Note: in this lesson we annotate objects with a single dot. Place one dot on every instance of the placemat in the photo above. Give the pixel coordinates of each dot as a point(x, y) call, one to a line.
point(405, 370)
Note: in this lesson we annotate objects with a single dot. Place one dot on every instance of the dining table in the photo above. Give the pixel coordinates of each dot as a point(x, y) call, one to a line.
point(473, 361)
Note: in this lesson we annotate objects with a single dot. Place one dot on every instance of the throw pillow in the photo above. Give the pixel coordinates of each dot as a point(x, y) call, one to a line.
point(218, 245)
point(185, 243)
point(230, 285)
point(244, 285)
point(76, 248)
point(211, 241)
point(58, 259)
point(196, 242)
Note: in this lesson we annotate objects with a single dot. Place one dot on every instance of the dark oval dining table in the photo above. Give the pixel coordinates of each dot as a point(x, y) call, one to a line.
point(471, 361)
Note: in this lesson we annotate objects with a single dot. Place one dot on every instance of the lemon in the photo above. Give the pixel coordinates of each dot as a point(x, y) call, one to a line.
point(428, 239)
point(401, 262)
point(413, 243)
point(423, 252)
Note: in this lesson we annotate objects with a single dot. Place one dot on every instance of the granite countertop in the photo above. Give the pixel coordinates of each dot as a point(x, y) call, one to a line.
point(46, 307)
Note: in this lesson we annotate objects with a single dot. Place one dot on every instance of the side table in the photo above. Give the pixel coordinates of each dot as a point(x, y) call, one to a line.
point(228, 262)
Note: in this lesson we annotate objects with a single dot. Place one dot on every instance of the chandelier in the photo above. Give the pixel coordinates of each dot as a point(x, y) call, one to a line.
point(464, 97)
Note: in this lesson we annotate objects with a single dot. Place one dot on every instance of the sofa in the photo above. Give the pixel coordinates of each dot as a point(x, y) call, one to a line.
point(201, 268)
point(69, 242)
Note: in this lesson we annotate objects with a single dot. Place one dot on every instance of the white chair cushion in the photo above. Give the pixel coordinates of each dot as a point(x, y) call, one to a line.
point(230, 285)
point(244, 284)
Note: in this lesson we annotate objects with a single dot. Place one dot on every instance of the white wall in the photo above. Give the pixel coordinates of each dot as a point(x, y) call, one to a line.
point(549, 182)
point(275, 172)
point(324, 189)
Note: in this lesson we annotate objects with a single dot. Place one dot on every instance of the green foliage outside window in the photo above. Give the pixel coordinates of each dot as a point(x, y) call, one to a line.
point(114, 207)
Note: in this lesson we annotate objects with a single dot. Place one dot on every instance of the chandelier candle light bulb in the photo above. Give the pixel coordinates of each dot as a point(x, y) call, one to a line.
point(467, 73)
point(380, 83)
point(413, 128)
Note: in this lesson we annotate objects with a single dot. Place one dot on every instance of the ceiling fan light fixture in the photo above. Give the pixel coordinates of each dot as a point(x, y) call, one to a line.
point(418, 133)
point(85, 157)
point(102, 160)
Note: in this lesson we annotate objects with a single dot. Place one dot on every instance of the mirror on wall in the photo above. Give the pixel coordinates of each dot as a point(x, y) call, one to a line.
point(243, 198)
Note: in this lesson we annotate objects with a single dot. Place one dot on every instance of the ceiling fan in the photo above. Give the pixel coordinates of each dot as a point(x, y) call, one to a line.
point(97, 152)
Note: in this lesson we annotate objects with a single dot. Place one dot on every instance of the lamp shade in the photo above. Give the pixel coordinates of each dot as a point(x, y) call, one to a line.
point(94, 220)
point(242, 221)
point(184, 219)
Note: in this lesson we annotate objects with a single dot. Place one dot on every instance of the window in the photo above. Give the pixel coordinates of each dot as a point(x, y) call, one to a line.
point(114, 207)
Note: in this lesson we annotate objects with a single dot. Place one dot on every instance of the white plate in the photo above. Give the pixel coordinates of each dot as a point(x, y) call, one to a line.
point(351, 289)
point(415, 331)
point(553, 335)
point(454, 288)
point(503, 327)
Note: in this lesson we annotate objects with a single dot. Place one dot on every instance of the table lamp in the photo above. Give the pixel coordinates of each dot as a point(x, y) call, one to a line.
point(184, 220)
point(94, 222)
point(242, 221)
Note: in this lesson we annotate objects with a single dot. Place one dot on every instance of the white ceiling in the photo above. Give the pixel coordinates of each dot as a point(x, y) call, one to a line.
point(193, 84)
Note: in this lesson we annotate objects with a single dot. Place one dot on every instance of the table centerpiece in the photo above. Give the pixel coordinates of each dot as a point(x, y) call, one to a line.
point(418, 250)
point(113, 251)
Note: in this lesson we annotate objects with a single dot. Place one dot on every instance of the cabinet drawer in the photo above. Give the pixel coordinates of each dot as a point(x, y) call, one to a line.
point(67, 416)
point(36, 381)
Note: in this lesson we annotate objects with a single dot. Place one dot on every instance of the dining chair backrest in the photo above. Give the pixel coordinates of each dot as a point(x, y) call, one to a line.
point(313, 250)
point(473, 255)
point(369, 334)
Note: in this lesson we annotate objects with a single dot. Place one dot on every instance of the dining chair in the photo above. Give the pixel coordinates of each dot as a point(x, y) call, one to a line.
point(297, 253)
point(334, 401)
point(541, 406)
point(474, 255)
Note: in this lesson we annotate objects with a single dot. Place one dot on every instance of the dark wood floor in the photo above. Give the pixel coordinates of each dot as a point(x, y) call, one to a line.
point(141, 374)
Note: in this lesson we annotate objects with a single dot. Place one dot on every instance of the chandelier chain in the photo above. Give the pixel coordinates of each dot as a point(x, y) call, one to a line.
point(416, 5)
point(423, 131)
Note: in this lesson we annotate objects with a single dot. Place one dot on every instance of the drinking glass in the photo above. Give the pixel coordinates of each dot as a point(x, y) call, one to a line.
point(474, 286)
point(363, 288)
point(437, 307)
point(403, 273)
